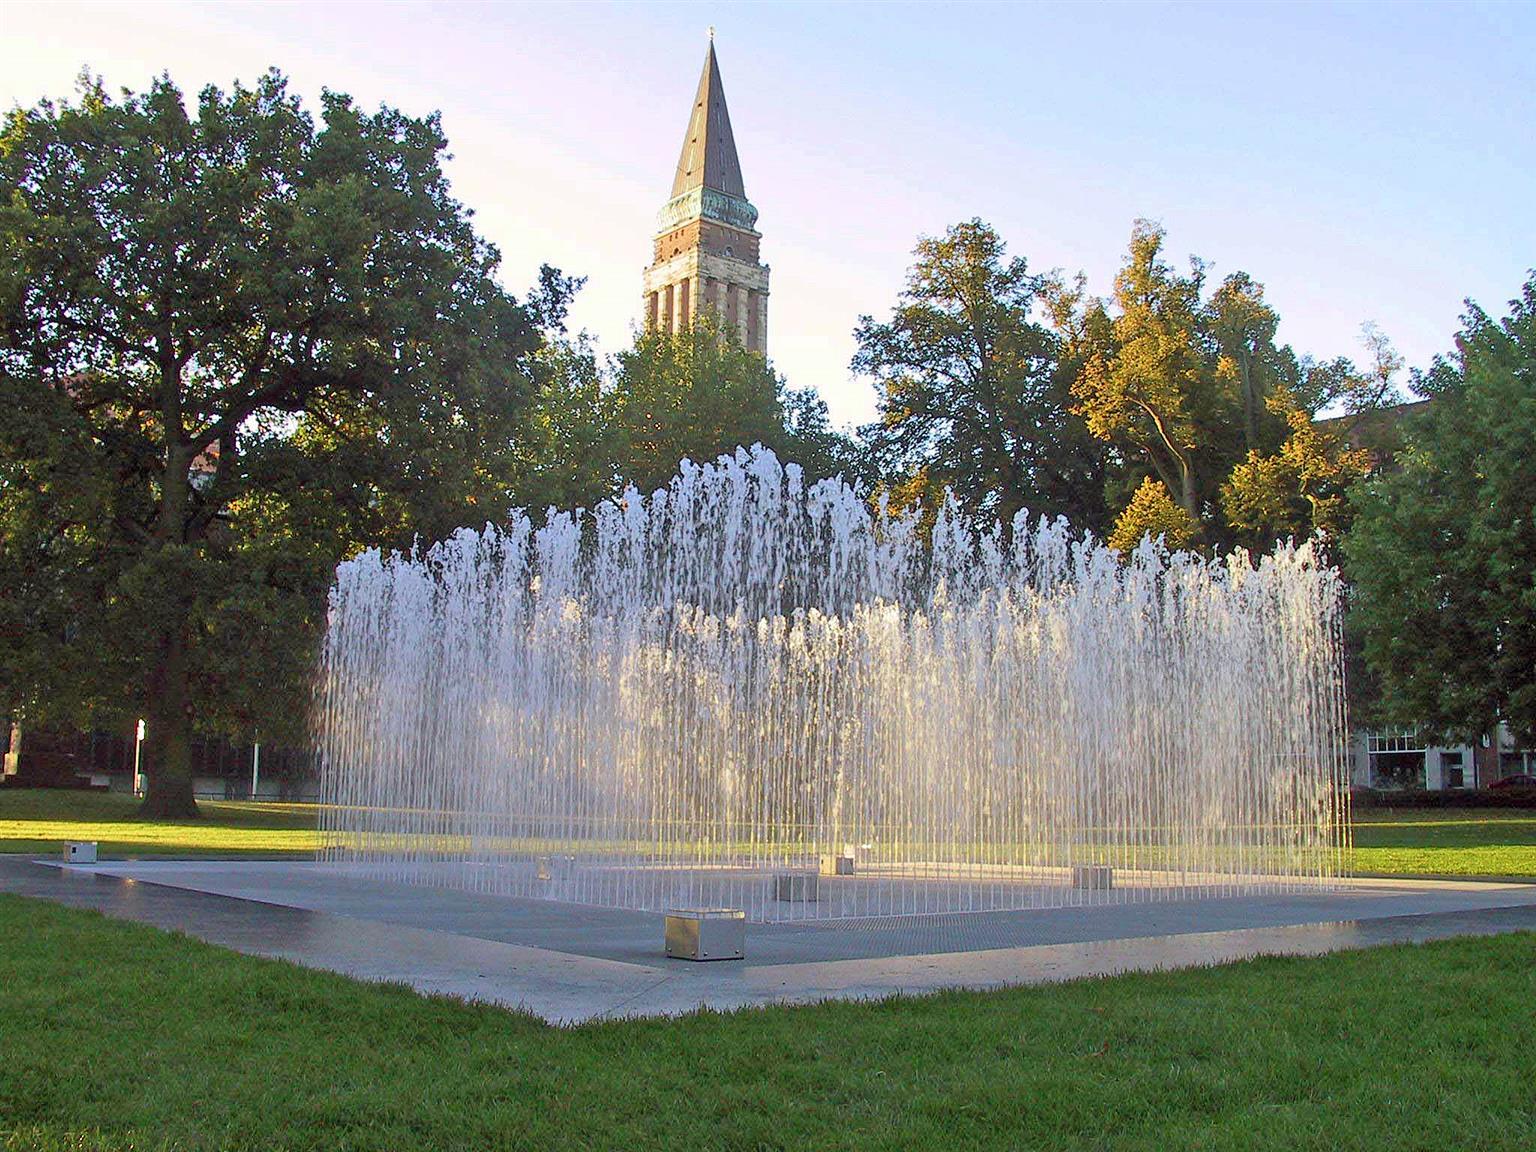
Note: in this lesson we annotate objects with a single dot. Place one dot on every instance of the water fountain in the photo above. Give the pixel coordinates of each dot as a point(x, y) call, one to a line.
point(741, 692)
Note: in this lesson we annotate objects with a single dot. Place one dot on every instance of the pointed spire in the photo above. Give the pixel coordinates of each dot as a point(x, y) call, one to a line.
point(709, 158)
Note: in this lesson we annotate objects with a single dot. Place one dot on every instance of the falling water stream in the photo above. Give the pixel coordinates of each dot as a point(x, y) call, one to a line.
point(691, 699)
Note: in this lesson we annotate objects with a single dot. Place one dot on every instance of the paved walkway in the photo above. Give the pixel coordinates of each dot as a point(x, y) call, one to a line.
point(569, 964)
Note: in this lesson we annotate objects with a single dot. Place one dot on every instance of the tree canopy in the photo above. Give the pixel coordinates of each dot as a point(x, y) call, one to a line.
point(1157, 409)
point(257, 342)
point(698, 393)
point(970, 387)
point(1145, 388)
point(1195, 393)
point(1442, 553)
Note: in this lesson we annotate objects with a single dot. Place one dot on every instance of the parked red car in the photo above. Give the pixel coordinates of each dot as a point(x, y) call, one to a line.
point(1518, 780)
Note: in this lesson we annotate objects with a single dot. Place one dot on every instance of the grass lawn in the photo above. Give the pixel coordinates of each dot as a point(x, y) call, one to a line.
point(117, 1036)
point(1448, 842)
point(41, 819)
point(1466, 842)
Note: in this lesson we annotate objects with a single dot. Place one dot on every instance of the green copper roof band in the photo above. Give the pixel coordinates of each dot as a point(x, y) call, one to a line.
point(710, 203)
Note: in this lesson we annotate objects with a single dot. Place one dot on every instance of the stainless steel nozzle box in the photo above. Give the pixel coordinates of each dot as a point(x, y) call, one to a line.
point(1097, 876)
point(837, 864)
point(796, 886)
point(706, 933)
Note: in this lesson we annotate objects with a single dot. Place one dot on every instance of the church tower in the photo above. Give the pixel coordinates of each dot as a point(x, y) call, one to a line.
point(706, 254)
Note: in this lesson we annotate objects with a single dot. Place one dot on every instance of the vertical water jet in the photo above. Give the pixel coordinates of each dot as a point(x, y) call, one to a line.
point(682, 698)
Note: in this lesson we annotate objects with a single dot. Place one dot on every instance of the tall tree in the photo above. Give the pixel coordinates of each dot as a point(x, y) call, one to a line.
point(1149, 388)
point(701, 393)
point(1442, 553)
point(1299, 490)
point(1198, 394)
point(597, 426)
point(275, 339)
point(696, 393)
point(569, 453)
point(971, 392)
point(1241, 329)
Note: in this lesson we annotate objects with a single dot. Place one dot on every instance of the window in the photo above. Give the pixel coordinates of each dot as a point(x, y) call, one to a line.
point(1394, 740)
point(1512, 762)
point(1397, 758)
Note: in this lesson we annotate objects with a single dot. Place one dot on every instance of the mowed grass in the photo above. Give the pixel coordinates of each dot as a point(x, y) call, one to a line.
point(42, 819)
point(1446, 842)
point(116, 1036)
point(1449, 842)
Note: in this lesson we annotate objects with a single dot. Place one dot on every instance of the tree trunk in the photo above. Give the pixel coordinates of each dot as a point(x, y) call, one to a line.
point(1189, 494)
point(168, 731)
point(168, 723)
point(1250, 405)
point(1169, 471)
point(13, 750)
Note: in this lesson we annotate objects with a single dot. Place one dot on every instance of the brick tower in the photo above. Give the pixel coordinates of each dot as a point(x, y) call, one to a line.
point(706, 254)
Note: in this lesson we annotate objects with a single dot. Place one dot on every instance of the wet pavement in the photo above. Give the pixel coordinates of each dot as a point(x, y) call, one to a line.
point(569, 963)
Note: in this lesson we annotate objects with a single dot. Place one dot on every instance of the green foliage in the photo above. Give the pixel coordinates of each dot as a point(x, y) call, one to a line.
point(1197, 393)
point(569, 450)
point(971, 390)
point(55, 562)
point(1147, 387)
point(697, 394)
point(1241, 329)
point(266, 344)
point(1153, 513)
point(1300, 490)
point(822, 451)
point(1443, 549)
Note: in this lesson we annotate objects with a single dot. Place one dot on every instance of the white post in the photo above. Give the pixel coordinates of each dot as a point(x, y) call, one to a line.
point(255, 767)
point(13, 752)
point(138, 743)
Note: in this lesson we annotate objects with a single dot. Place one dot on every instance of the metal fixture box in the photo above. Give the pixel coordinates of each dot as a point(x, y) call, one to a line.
point(836, 864)
point(556, 868)
point(797, 886)
point(706, 933)
point(78, 852)
point(1095, 876)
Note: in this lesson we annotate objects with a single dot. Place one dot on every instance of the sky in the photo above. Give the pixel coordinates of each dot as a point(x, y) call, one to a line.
point(1365, 162)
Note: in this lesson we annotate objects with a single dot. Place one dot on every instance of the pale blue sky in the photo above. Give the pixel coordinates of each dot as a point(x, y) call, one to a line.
point(1365, 161)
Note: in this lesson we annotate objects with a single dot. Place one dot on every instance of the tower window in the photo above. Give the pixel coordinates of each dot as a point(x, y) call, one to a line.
point(728, 251)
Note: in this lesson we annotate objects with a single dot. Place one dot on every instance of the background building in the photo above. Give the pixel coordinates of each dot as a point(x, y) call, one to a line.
point(1397, 758)
point(706, 251)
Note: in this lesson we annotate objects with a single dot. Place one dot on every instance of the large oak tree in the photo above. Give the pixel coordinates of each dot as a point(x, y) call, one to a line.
point(256, 342)
point(973, 390)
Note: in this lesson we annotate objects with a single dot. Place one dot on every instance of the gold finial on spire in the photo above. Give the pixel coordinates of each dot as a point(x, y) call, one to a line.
point(711, 33)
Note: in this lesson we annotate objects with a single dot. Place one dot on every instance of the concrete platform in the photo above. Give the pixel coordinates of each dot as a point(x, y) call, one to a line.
point(568, 963)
